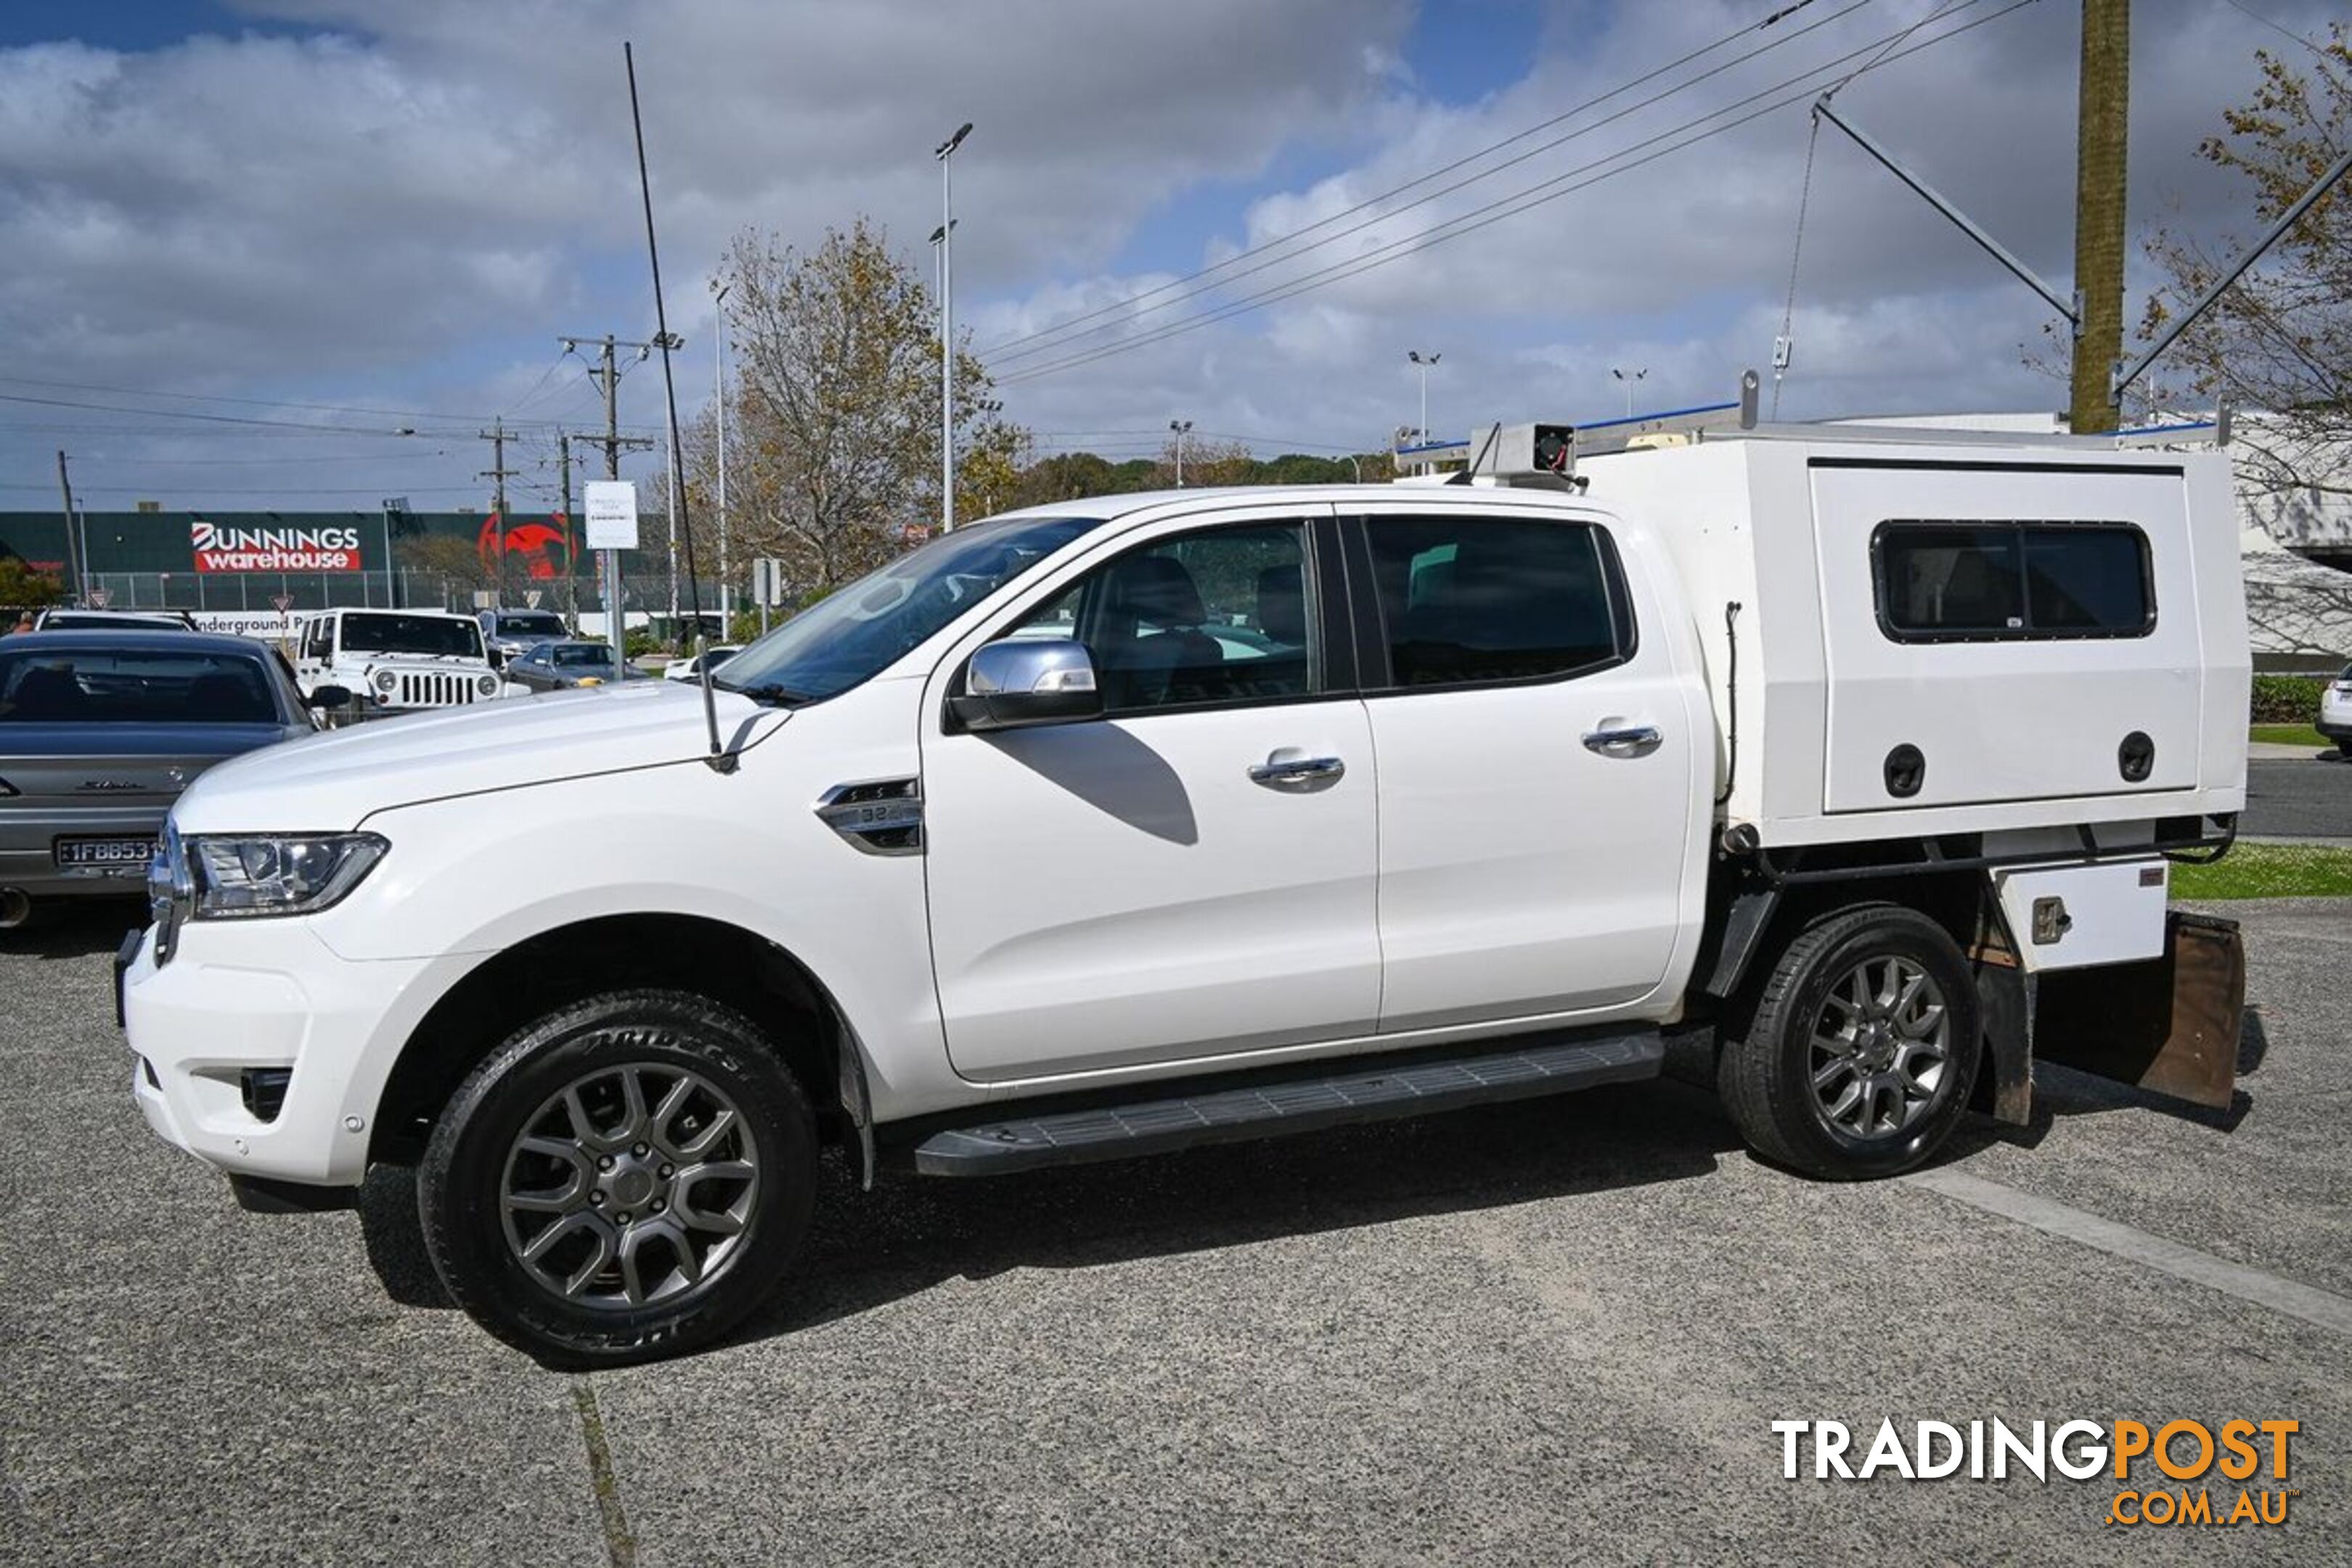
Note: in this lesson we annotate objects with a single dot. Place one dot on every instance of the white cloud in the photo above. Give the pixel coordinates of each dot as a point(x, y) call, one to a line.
point(405, 208)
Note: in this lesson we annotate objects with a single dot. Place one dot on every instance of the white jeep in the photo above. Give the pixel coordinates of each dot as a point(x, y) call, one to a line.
point(396, 661)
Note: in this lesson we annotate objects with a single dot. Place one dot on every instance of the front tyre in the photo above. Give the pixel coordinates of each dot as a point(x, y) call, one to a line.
point(624, 1179)
point(1862, 1048)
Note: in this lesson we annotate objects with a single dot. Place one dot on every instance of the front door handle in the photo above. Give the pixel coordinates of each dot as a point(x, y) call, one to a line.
point(1628, 740)
point(1291, 766)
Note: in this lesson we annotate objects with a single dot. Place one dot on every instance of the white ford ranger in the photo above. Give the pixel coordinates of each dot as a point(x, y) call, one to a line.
point(1119, 826)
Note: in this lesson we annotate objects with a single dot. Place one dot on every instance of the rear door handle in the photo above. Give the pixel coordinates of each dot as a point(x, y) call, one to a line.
point(1630, 741)
point(1291, 766)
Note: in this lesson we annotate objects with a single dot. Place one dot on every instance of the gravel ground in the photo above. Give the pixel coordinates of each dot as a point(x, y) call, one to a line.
point(1546, 1331)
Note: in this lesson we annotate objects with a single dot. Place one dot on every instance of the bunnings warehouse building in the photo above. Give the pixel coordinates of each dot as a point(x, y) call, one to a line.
point(252, 564)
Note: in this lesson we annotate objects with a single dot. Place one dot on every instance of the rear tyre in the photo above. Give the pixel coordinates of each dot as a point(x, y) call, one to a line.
point(1862, 1050)
point(624, 1180)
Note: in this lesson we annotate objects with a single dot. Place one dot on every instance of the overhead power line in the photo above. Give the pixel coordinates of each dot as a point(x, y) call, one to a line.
point(1064, 330)
point(246, 402)
point(1792, 90)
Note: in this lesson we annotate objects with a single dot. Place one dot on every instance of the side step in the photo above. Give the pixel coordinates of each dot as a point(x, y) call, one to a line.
point(1532, 1065)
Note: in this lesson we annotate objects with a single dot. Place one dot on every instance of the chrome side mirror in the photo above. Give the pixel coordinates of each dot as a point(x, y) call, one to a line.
point(1027, 680)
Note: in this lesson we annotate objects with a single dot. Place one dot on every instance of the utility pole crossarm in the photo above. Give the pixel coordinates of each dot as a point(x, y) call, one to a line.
point(1960, 220)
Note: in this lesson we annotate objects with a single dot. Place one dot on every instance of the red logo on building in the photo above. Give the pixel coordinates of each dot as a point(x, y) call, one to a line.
point(539, 550)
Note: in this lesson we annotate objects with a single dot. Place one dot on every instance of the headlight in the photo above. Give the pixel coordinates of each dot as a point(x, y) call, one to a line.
point(486, 685)
point(386, 680)
point(238, 876)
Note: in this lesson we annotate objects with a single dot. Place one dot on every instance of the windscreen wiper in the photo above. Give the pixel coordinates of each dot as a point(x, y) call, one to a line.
point(783, 696)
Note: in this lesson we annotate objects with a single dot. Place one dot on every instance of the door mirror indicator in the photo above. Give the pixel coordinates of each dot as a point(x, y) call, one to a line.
point(1023, 681)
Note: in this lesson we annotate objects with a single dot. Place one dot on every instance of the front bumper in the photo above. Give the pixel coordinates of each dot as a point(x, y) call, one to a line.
point(244, 997)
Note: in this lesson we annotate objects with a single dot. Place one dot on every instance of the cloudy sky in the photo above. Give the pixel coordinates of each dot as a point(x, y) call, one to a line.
point(249, 241)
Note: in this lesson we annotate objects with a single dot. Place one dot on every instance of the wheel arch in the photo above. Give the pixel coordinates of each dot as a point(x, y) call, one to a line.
point(566, 963)
point(1752, 923)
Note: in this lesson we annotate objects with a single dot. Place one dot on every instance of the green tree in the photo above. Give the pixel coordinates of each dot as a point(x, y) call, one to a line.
point(21, 588)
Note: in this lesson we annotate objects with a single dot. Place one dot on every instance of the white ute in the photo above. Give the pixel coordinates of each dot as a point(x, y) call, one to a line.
point(1121, 825)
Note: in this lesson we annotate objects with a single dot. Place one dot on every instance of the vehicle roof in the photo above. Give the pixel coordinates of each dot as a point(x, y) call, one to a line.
point(95, 641)
point(389, 610)
point(1115, 506)
point(177, 617)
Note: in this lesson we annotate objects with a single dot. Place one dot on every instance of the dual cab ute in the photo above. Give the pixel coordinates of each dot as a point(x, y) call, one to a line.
point(1123, 824)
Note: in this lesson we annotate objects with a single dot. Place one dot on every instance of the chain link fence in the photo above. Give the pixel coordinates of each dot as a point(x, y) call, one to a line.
point(294, 593)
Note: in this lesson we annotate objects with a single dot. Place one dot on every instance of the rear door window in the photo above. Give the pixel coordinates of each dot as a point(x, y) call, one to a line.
point(1474, 601)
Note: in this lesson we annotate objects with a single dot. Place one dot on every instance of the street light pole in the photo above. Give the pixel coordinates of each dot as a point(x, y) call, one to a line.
point(1182, 427)
point(945, 152)
point(1425, 361)
point(1627, 382)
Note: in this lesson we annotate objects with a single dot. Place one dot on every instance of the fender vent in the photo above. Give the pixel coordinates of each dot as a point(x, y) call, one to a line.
point(884, 817)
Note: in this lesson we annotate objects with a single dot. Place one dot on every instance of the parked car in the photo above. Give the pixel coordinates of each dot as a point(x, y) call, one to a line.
point(99, 732)
point(690, 669)
point(561, 666)
point(509, 634)
point(1321, 804)
point(396, 661)
point(2336, 711)
point(62, 619)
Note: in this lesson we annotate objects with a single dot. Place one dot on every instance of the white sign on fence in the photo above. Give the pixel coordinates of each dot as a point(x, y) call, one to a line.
point(100, 597)
point(612, 514)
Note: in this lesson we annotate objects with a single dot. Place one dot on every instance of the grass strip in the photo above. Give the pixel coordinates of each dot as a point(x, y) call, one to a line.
point(2270, 871)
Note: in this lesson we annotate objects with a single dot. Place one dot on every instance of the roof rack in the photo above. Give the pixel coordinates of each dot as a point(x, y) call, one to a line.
point(1545, 454)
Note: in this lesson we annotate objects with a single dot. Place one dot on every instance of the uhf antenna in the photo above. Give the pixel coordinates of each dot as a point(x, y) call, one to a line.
point(720, 759)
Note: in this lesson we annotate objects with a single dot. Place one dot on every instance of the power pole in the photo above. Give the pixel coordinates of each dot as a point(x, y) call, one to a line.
point(75, 564)
point(563, 505)
point(2102, 120)
point(606, 374)
point(497, 473)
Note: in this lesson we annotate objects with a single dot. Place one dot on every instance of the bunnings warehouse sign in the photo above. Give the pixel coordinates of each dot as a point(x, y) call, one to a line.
point(292, 549)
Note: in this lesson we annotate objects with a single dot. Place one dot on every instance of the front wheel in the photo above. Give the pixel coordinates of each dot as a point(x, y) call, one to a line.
point(1863, 1046)
point(623, 1180)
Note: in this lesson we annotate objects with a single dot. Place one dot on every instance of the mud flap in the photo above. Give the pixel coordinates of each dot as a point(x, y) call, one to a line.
point(2005, 998)
point(2169, 1024)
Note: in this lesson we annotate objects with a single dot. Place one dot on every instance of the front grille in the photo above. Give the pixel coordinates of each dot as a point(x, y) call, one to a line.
point(433, 689)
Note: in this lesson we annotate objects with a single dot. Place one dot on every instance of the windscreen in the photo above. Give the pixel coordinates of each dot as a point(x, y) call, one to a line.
point(127, 685)
point(850, 637)
point(532, 624)
point(438, 636)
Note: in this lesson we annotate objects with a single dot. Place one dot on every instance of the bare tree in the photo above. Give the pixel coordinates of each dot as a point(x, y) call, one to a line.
point(833, 417)
point(2280, 340)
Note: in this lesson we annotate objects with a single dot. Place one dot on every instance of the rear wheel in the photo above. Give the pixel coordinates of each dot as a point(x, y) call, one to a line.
point(623, 1180)
point(1863, 1047)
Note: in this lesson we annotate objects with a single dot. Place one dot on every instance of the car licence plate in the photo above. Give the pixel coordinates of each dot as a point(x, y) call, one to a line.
point(107, 852)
